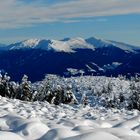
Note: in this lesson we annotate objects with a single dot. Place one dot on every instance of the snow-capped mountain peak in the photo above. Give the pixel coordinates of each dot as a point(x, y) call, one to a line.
point(60, 46)
point(98, 43)
point(69, 45)
point(72, 44)
point(31, 42)
point(79, 43)
point(26, 44)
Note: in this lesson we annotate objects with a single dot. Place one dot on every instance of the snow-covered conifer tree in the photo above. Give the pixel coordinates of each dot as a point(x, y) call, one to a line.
point(69, 96)
point(25, 90)
point(5, 85)
point(44, 91)
point(134, 99)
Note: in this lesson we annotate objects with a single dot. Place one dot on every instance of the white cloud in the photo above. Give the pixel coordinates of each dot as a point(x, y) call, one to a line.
point(16, 14)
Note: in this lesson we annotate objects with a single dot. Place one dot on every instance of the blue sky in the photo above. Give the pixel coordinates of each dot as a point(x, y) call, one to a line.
point(117, 20)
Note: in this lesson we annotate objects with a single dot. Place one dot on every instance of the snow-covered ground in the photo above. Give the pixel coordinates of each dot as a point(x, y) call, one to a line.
point(21, 120)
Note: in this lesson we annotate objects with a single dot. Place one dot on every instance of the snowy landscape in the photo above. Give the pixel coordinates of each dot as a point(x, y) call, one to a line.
point(69, 69)
point(99, 108)
point(68, 95)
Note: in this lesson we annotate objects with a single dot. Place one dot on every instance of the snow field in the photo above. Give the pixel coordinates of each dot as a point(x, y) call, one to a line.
point(39, 120)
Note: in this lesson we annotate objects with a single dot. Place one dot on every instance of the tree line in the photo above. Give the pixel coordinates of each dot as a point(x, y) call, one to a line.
point(56, 94)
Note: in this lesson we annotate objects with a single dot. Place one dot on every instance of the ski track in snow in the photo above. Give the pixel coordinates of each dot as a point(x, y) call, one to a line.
point(21, 120)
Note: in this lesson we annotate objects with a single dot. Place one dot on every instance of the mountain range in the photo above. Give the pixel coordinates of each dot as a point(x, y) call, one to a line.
point(69, 57)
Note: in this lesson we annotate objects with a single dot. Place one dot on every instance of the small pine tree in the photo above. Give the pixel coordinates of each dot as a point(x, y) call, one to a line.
point(134, 99)
point(25, 92)
point(69, 96)
point(5, 85)
point(45, 90)
point(58, 95)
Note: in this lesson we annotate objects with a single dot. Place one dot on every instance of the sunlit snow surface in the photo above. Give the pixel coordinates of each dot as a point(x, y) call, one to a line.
point(21, 120)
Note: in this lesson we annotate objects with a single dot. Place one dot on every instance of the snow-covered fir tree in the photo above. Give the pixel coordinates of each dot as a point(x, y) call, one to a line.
point(24, 90)
point(69, 96)
point(134, 100)
point(5, 85)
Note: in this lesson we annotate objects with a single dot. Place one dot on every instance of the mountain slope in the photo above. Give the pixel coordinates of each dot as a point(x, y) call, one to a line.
point(68, 57)
point(99, 43)
point(4, 47)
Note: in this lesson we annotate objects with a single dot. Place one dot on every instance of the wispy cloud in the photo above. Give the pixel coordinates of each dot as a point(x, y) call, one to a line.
point(18, 13)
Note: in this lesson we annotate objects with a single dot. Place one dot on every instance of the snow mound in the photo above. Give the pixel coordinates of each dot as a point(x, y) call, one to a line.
point(9, 136)
point(94, 135)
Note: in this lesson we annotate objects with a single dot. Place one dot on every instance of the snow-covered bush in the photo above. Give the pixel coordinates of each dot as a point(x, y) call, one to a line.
point(11, 89)
point(102, 91)
point(50, 90)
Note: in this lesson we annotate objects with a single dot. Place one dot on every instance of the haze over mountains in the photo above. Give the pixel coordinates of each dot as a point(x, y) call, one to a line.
point(69, 57)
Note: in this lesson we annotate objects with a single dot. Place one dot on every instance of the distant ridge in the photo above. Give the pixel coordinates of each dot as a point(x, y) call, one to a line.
point(70, 44)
